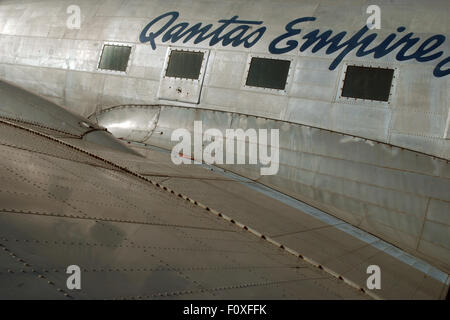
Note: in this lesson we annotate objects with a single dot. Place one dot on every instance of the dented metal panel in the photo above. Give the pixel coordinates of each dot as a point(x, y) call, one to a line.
point(179, 87)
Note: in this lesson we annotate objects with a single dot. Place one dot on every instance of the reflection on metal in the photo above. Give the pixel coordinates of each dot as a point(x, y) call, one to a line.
point(111, 240)
point(63, 66)
point(396, 194)
point(368, 238)
point(20, 105)
point(447, 127)
point(347, 228)
point(61, 204)
point(68, 192)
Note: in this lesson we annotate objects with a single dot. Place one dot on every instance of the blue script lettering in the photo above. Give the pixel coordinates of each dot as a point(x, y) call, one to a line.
point(438, 72)
point(291, 44)
point(152, 36)
point(236, 37)
point(236, 32)
point(360, 41)
point(336, 45)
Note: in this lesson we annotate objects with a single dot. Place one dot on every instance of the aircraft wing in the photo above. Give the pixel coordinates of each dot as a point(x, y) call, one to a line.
point(140, 227)
point(66, 201)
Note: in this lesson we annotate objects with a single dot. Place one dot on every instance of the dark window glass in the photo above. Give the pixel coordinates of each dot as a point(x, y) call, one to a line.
point(184, 64)
point(115, 58)
point(368, 83)
point(268, 73)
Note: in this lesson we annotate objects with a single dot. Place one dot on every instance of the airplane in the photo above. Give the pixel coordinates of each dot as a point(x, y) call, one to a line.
point(283, 149)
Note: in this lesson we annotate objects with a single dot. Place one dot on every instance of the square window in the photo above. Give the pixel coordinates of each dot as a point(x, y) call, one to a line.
point(368, 83)
point(184, 64)
point(115, 58)
point(268, 73)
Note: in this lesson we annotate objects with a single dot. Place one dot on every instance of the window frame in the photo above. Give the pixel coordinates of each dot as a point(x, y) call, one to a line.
point(118, 44)
point(263, 89)
point(360, 101)
point(201, 75)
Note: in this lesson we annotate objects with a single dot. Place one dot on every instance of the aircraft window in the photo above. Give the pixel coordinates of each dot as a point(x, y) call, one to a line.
point(368, 83)
point(115, 58)
point(268, 73)
point(184, 64)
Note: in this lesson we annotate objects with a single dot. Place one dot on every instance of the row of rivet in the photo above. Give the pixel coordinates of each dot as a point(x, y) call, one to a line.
point(311, 261)
point(34, 271)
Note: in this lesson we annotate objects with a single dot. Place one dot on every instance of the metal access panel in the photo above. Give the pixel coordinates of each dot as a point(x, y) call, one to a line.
point(183, 74)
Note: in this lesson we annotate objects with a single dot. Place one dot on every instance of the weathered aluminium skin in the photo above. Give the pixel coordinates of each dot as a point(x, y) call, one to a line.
point(382, 166)
point(141, 227)
point(40, 53)
point(399, 195)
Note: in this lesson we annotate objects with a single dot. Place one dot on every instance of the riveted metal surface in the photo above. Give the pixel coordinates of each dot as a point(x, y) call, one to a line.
point(34, 112)
point(138, 128)
point(21, 281)
point(93, 204)
point(40, 53)
point(130, 237)
point(383, 189)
